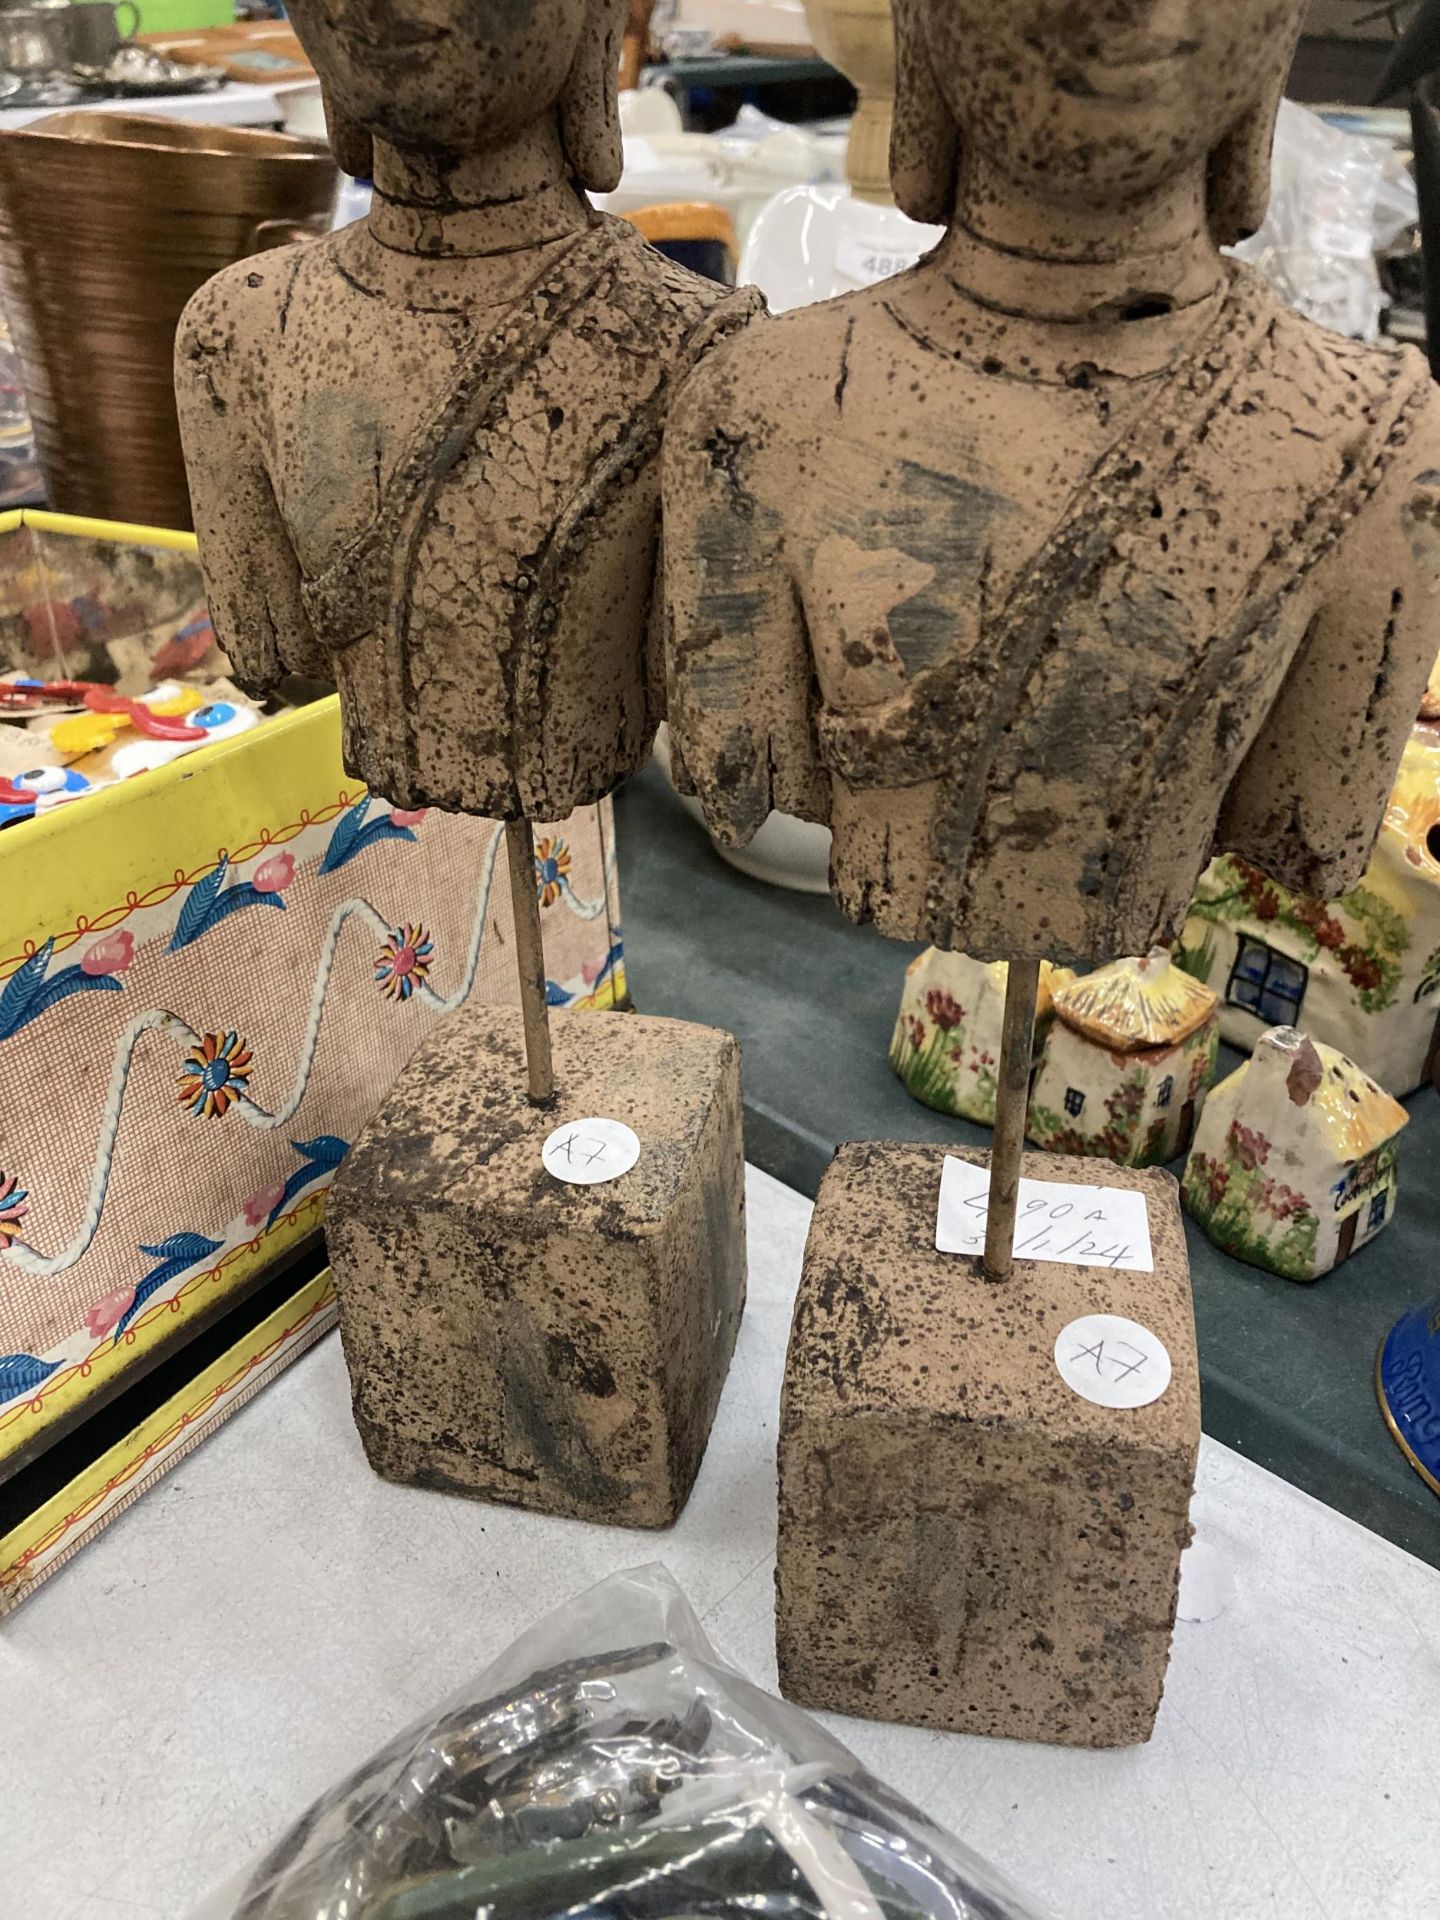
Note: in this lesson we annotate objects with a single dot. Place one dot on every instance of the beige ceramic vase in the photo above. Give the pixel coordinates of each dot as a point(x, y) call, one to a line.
point(857, 37)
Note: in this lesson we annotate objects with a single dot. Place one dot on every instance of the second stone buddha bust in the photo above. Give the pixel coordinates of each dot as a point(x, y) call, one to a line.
point(1048, 566)
point(423, 451)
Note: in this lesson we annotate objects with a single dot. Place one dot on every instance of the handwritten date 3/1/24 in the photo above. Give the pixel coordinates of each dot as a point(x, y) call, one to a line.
point(1042, 1229)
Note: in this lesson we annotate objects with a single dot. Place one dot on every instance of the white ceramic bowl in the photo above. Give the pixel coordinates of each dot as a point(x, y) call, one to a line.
point(786, 852)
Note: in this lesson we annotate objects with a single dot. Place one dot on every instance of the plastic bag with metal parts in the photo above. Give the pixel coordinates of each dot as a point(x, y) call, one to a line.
point(1336, 200)
point(610, 1766)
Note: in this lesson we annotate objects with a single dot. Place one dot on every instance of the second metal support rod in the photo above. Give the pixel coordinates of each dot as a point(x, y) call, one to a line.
point(1012, 1101)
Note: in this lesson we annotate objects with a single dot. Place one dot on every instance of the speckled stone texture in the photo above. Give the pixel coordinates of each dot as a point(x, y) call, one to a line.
point(965, 1543)
point(517, 1339)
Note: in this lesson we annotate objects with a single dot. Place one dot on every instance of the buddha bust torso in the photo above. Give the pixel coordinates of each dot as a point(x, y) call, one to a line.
point(424, 449)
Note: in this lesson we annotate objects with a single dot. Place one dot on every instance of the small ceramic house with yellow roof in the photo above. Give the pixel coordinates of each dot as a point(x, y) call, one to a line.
point(1126, 1063)
point(1294, 1159)
point(1361, 972)
point(946, 1044)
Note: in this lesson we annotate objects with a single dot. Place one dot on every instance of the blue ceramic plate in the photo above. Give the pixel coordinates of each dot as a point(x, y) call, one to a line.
point(1407, 1379)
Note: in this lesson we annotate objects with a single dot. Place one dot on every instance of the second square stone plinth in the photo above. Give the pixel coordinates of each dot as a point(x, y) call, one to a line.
point(965, 1541)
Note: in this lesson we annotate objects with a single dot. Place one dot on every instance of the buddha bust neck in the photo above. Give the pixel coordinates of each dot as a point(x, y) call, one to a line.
point(1016, 252)
point(505, 199)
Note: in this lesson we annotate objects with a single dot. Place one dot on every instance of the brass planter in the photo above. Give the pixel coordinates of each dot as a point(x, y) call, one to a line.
point(108, 223)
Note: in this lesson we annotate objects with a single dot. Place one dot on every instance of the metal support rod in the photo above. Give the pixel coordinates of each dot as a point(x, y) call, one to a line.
point(530, 959)
point(1011, 1102)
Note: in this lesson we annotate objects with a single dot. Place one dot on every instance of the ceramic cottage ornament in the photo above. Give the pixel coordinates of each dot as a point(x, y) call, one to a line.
point(1294, 1163)
point(1037, 572)
point(946, 1044)
point(1362, 971)
point(423, 459)
point(1126, 1063)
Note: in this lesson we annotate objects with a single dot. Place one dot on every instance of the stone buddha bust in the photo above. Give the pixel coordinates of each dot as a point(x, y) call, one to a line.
point(1070, 555)
point(423, 450)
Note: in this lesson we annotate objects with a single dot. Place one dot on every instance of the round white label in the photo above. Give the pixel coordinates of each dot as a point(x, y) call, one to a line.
point(1112, 1361)
point(587, 1152)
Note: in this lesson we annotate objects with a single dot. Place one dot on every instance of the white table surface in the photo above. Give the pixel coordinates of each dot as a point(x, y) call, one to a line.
point(236, 104)
point(272, 1612)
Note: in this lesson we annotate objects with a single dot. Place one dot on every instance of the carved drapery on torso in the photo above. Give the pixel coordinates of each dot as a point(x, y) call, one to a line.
point(478, 578)
point(976, 677)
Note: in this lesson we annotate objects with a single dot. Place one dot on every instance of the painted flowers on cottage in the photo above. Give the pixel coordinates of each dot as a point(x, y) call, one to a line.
point(944, 1009)
point(1248, 1213)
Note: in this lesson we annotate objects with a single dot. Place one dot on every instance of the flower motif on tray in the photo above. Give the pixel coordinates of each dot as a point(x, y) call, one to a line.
point(275, 874)
point(552, 869)
point(13, 1209)
point(354, 832)
point(217, 1072)
point(172, 1257)
point(260, 1206)
point(32, 989)
point(22, 1373)
point(109, 956)
point(403, 963)
point(106, 1314)
point(319, 1159)
point(210, 901)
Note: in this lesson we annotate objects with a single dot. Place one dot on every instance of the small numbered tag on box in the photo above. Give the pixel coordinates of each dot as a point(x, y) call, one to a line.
point(1075, 1226)
point(586, 1153)
point(1112, 1361)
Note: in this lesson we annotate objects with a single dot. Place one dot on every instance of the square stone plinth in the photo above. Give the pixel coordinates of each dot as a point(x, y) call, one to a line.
point(966, 1542)
point(519, 1339)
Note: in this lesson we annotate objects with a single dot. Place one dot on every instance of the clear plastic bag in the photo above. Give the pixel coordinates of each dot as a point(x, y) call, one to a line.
point(1336, 199)
point(19, 474)
point(610, 1766)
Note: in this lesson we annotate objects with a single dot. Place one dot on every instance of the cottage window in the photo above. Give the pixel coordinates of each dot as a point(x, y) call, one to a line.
point(1166, 1089)
point(1074, 1101)
point(1266, 983)
point(1378, 1205)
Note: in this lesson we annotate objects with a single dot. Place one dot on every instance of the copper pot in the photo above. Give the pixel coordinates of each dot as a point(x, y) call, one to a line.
point(108, 223)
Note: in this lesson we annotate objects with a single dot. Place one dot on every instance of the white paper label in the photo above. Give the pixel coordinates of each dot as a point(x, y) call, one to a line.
point(1112, 1361)
point(587, 1152)
point(1074, 1226)
point(1340, 238)
point(864, 264)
